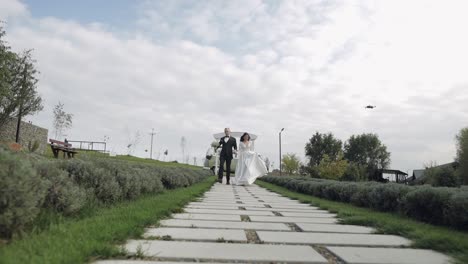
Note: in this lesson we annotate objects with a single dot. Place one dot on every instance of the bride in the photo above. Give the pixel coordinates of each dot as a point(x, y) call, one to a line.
point(249, 165)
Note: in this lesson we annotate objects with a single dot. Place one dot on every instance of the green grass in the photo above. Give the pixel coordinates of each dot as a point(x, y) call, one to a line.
point(426, 236)
point(86, 154)
point(95, 237)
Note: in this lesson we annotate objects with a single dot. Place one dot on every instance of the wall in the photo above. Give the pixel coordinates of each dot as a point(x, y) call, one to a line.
point(28, 133)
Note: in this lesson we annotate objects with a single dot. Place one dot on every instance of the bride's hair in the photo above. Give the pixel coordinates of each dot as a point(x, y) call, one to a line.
point(245, 134)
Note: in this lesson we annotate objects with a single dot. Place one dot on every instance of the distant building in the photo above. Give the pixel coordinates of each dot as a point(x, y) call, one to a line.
point(388, 175)
point(419, 175)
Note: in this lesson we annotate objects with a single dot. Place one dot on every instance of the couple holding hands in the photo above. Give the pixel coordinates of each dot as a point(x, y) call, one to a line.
point(249, 165)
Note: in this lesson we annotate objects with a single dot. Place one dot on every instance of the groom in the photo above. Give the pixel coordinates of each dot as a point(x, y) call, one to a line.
point(227, 143)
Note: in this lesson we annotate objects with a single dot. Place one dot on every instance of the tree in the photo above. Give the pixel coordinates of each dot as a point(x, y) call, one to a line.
point(332, 169)
point(320, 145)
point(62, 120)
point(462, 155)
point(18, 91)
point(440, 176)
point(355, 172)
point(290, 163)
point(367, 150)
point(267, 164)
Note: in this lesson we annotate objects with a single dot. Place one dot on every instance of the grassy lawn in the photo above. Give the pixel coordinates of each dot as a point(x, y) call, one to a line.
point(95, 154)
point(94, 237)
point(443, 239)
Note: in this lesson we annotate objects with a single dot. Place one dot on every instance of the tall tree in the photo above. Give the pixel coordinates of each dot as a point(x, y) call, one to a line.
point(332, 169)
point(267, 164)
point(367, 150)
point(18, 91)
point(320, 145)
point(462, 155)
point(291, 163)
point(62, 120)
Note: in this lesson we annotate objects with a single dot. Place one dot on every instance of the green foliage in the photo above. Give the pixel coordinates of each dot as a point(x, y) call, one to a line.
point(22, 193)
point(441, 176)
point(426, 204)
point(86, 239)
point(32, 147)
point(63, 194)
point(320, 145)
point(30, 185)
point(441, 206)
point(291, 163)
point(355, 172)
point(367, 150)
point(332, 169)
point(462, 155)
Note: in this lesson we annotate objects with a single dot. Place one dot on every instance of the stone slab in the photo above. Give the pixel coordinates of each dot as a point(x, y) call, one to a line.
point(213, 207)
point(298, 210)
point(362, 255)
point(334, 228)
point(207, 217)
point(223, 204)
point(333, 239)
point(225, 251)
point(197, 234)
point(227, 212)
point(287, 219)
point(306, 214)
point(224, 224)
point(134, 261)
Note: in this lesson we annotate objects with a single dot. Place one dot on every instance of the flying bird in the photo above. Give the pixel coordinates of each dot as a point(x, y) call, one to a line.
point(370, 107)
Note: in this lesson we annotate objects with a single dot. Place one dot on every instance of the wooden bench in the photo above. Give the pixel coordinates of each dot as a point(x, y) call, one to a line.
point(65, 147)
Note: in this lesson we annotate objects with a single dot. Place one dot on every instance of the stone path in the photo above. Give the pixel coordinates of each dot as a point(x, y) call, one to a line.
point(236, 224)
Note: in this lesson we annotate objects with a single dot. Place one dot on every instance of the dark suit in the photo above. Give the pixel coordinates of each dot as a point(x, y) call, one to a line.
point(226, 156)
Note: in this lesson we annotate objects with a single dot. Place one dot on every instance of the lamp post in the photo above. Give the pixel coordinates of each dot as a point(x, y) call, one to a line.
point(281, 165)
point(151, 151)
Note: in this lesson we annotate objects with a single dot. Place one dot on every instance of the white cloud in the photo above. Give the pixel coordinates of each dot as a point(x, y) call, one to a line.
point(12, 8)
point(192, 68)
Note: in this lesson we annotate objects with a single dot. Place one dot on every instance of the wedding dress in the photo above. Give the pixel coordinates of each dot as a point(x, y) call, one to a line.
point(249, 165)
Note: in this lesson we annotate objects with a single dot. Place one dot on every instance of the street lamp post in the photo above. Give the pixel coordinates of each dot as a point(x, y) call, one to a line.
point(151, 150)
point(281, 164)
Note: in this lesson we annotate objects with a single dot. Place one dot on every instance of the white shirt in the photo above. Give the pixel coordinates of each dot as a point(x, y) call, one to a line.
point(226, 139)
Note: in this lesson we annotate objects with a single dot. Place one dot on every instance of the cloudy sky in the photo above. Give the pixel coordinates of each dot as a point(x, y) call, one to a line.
point(191, 68)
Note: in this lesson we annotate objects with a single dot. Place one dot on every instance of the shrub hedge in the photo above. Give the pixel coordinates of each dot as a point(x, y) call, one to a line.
point(435, 205)
point(30, 184)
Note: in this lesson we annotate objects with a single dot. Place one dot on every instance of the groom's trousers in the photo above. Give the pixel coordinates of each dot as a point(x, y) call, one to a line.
point(221, 168)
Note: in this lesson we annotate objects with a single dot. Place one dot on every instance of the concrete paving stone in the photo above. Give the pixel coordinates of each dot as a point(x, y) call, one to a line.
point(333, 239)
point(297, 210)
point(287, 219)
point(197, 234)
point(134, 261)
point(208, 217)
point(224, 224)
point(290, 206)
point(363, 255)
point(219, 202)
point(213, 207)
point(306, 214)
point(334, 228)
point(225, 251)
point(226, 212)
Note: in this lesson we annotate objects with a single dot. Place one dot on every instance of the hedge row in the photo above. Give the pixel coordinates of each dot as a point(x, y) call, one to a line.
point(435, 205)
point(29, 185)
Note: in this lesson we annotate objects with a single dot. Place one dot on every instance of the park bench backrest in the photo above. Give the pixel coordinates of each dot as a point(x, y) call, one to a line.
point(53, 141)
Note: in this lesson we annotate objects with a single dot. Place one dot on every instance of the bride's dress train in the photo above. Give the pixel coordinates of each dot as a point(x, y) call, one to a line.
point(249, 165)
